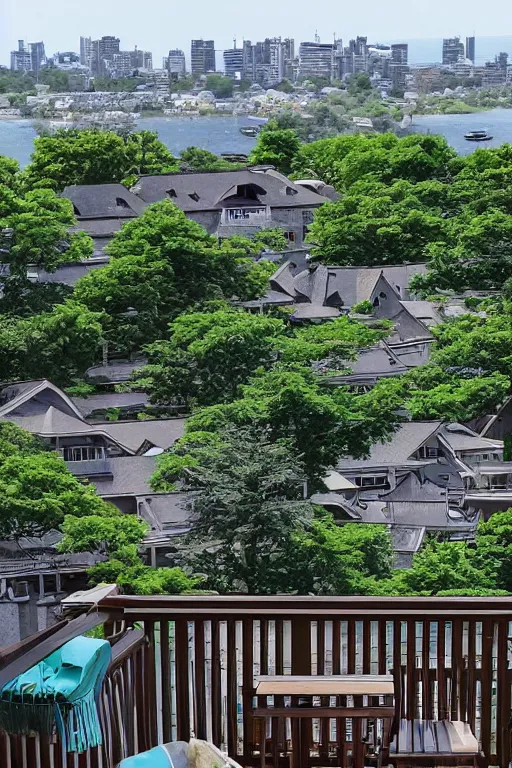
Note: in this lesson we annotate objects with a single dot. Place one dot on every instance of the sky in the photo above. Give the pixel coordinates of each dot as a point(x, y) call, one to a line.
point(162, 24)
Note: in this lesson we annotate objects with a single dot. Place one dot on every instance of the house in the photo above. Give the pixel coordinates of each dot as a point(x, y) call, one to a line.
point(322, 291)
point(372, 364)
point(117, 457)
point(239, 202)
point(101, 210)
point(430, 476)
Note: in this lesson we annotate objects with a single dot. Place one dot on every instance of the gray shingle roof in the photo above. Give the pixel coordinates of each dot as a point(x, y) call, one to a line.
point(160, 432)
point(212, 189)
point(70, 274)
point(114, 372)
point(397, 452)
point(103, 200)
point(123, 400)
point(130, 477)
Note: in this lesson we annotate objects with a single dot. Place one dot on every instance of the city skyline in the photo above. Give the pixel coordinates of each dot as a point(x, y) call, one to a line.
point(65, 21)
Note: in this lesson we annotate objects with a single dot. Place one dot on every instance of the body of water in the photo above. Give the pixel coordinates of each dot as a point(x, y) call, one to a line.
point(222, 134)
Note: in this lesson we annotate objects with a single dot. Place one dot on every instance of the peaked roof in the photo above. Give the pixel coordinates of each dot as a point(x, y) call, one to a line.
point(210, 191)
point(16, 394)
point(407, 439)
point(97, 200)
point(135, 434)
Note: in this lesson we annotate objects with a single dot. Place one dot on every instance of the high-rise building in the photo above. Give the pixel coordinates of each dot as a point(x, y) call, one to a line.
point(470, 49)
point(108, 46)
point(86, 51)
point(316, 60)
point(453, 50)
point(400, 53)
point(202, 55)
point(21, 60)
point(102, 54)
point(398, 74)
point(502, 61)
point(234, 62)
point(37, 57)
point(176, 63)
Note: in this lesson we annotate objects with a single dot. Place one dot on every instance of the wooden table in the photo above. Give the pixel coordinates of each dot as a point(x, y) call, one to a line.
point(374, 687)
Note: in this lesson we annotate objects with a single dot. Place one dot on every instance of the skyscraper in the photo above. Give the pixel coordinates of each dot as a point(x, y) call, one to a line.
point(316, 60)
point(176, 63)
point(470, 49)
point(86, 51)
point(400, 53)
point(202, 55)
point(453, 50)
point(21, 60)
point(234, 62)
point(37, 57)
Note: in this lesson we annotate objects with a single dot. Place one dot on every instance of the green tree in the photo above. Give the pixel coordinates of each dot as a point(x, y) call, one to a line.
point(36, 488)
point(58, 345)
point(92, 156)
point(196, 159)
point(118, 536)
point(208, 356)
point(221, 86)
point(247, 504)
point(162, 264)
point(275, 147)
point(34, 232)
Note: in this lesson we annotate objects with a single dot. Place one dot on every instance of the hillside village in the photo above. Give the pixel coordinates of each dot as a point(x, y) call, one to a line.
point(331, 303)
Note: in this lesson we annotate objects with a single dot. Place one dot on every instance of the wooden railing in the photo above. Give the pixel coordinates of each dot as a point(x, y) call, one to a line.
point(190, 670)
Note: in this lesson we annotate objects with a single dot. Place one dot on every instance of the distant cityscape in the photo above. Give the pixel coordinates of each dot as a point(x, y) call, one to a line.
point(267, 63)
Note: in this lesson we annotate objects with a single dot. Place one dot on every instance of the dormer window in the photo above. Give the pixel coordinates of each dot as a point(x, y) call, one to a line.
point(290, 191)
point(121, 203)
point(194, 196)
point(172, 193)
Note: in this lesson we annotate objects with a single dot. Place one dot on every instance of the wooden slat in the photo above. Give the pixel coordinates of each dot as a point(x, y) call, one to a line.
point(426, 693)
point(301, 665)
point(320, 670)
point(165, 667)
point(232, 713)
point(262, 700)
point(471, 714)
point(397, 668)
point(328, 685)
point(351, 646)
point(248, 682)
point(324, 712)
point(382, 640)
point(182, 680)
point(367, 649)
point(150, 683)
point(278, 725)
point(216, 687)
point(503, 681)
point(336, 670)
point(199, 681)
point(441, 676)
point(457, 665)
point(138, 671)
point(486, 686)
point(411, 669)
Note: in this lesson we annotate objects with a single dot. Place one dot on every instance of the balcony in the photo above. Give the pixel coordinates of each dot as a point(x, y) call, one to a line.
point(192, 668)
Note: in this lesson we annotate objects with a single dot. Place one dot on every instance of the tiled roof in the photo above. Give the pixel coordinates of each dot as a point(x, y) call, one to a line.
point(208, 191)
point(398, 451)
point(159, 432)
point(103, 200)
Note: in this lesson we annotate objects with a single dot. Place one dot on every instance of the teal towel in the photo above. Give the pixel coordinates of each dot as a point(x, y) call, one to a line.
point(61, 691)
point(155, 758)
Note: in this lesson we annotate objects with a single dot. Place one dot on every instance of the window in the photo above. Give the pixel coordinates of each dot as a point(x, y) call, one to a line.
point(83, 453)
point(121, 203)
point(194, 196)
point(431, 453)
point(237, 214)
point(371, 481)
point(172, 193)
point(383, 295)
point(290, 236)
point(291, 191)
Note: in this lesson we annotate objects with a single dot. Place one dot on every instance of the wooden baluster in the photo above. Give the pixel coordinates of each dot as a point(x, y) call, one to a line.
point(165, 667)
point(216, 687)
point(278, 723)
point(486, 686)
point(426, 688)
point(199, 680)
point(182, 680)
point(324, 700)
point(457, 664)
point(301, 665)
point(503, 708)
point(248, 687)
point(336, 670)
point(471, 713)
point(150, 683)
point(411, 669)
point(232, 709)
point(442, 713)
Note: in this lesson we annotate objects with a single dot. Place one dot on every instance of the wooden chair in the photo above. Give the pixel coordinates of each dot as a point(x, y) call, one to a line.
point(433, 743)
